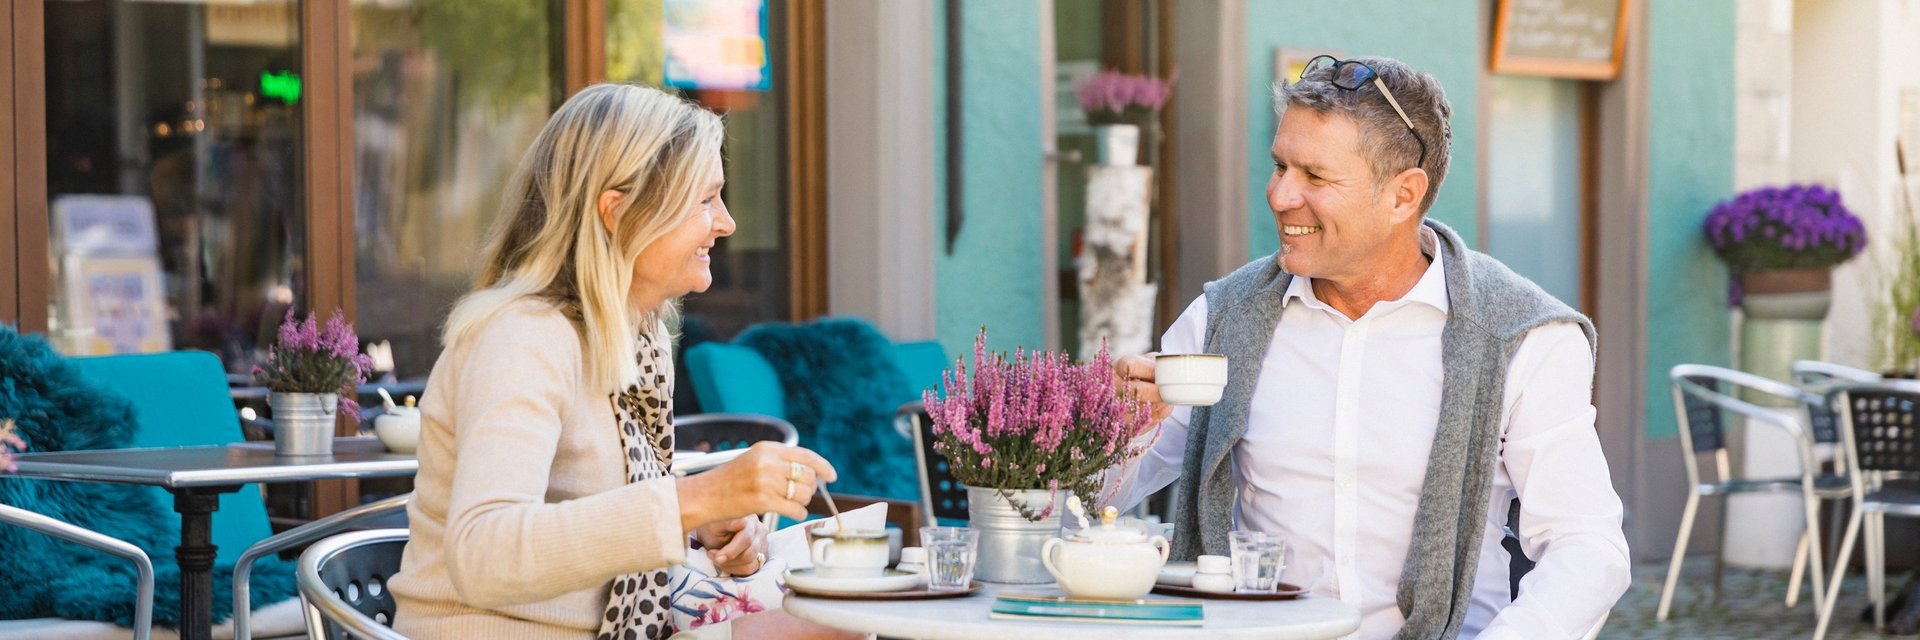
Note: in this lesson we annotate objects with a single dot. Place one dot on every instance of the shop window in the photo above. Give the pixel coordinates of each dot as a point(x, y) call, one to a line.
point(447, 96)
point(174, 175)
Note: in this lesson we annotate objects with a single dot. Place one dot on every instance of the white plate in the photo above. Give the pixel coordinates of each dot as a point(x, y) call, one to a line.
point(892, 580)
point(1178, 573)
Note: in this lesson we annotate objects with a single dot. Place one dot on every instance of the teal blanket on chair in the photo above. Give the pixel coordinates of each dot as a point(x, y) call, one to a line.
point(42, 576)
point(842, 387)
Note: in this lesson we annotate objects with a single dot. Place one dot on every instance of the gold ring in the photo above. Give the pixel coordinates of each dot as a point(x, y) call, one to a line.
point(761, 558)
point(789, 489)
point(797, 471)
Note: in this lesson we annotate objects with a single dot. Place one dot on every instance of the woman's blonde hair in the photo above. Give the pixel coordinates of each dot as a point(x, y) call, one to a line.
point(550, 243)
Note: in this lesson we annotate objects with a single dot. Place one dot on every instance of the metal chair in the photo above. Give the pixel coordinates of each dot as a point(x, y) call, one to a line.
point(343, 584)
point(941, 496)
point(725, 431)
point(1880, 425)
point(1699, 405)
point(143, 566)
point(303, 534)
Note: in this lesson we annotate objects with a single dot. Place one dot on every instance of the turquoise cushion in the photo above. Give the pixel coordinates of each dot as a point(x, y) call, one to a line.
point(729, 378)
point(923, 362)
point(180, 399)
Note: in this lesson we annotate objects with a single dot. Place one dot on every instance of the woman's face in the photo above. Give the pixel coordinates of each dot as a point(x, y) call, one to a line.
point(677, 263)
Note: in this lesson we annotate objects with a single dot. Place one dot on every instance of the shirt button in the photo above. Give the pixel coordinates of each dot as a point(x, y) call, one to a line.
point(1346, 561)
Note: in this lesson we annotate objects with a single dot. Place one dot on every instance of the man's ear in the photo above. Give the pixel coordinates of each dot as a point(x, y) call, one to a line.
point(609, 200)
point(1407, 191)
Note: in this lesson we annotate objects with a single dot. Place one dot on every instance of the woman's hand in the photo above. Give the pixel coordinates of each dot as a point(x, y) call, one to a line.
point(769, 477)
point(738, 546)
point(1136, 376)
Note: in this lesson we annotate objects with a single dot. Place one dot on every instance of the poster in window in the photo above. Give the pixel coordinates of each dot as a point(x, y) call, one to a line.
point(113, 305)
point(716, 44)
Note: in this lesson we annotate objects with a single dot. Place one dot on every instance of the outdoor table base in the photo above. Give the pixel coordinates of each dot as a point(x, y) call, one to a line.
point(1307, 618)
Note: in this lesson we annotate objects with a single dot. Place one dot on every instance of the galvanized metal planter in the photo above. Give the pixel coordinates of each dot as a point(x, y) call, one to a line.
point(1009, 542)
point(303, 423)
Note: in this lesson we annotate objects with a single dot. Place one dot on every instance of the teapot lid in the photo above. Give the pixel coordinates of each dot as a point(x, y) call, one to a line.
point(1107, 532)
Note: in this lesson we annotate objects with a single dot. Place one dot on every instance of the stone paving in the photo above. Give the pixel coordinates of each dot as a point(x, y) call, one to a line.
point(1751, 607)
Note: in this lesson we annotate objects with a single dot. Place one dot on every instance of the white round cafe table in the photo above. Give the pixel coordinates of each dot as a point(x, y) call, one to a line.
point(965, 618)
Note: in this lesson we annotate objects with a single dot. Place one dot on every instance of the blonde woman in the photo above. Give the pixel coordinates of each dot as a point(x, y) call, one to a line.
point(544, 506)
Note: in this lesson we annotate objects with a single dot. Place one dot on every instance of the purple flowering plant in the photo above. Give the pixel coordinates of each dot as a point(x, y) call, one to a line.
point(306, 358)
point(1792, 227)
point(1037, 421)
point(1112, 97)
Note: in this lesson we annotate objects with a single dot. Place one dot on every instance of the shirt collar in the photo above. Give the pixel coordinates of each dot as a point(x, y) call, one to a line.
point(1431, 290)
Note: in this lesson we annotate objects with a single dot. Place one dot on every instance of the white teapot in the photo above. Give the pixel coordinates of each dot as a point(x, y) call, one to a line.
point(1105, 562)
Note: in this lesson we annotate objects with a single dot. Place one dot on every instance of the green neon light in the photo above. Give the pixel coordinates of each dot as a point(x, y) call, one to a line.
point(284, 85)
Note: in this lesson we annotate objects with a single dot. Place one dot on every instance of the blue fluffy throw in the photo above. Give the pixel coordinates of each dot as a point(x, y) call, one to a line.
point(42, 576)
point(842, 388)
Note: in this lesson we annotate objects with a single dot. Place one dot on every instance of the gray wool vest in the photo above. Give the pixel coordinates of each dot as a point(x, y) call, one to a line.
point(1490, 308)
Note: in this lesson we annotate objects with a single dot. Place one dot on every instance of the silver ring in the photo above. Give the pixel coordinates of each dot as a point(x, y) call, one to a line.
point(789, 489)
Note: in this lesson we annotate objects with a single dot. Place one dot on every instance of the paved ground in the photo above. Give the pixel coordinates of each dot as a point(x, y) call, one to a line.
point(1752, 607)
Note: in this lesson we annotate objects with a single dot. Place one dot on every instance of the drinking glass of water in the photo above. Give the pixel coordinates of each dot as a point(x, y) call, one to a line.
point(1257, 561)
point(950, 554)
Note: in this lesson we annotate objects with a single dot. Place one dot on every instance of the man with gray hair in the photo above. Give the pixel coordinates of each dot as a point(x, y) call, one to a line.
point(1390, 390)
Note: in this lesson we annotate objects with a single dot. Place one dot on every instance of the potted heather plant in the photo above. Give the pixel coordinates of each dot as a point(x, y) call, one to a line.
point(312, 373)
point(1019, 432)
point(1117, 104)
point(1781, 244)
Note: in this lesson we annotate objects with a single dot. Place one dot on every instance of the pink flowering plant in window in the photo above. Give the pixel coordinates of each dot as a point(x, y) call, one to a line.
point(309, 359)
point(1036, 421)
point(1111, 97)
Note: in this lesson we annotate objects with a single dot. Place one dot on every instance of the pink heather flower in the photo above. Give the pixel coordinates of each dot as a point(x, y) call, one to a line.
point(308, 359)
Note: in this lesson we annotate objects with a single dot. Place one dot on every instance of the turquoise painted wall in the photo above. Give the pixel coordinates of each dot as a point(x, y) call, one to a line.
point(994, 276)
point(1436, 36)
point(1690, 167)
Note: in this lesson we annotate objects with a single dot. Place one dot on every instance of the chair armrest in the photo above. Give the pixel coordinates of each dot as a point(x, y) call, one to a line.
point(143, 603)
point(902, 513)
point(303, 534)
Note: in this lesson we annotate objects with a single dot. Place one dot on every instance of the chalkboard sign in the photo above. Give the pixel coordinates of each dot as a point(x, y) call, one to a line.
point(1561, 38)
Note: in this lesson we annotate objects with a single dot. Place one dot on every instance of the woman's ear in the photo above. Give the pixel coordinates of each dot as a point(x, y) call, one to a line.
point(609, 200)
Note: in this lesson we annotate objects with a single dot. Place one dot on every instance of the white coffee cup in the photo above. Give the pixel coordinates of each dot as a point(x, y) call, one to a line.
point(854, 553)
point(1194, 379)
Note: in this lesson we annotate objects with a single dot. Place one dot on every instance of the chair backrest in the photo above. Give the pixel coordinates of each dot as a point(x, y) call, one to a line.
point(923, 362)
point(723, 431)
point(1883, 426)
point(1821, 417)
point(343, 584)
point(730, 378)
point(180, 399)
point(941, 496)
point(1701, 421)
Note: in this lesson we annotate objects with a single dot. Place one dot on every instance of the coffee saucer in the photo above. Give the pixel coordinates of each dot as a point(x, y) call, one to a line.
point(890, 580)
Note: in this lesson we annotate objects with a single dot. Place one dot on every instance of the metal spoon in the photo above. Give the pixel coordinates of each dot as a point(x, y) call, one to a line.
point(838, 525)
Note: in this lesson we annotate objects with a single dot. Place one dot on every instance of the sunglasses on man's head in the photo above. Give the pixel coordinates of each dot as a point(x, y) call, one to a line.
point(1353, 74)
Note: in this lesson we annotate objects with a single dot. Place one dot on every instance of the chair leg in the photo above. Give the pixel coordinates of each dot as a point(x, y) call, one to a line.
point(1839, 573)
point(1819, 570)
point(1799, 569)
point(1877, 567)
point(1720, 549)
point(1679, 554)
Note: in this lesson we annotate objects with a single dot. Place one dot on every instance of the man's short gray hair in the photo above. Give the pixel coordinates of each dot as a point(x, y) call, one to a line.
point(1384, 140)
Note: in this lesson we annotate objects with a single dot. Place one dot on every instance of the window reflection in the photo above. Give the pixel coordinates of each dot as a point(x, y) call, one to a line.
point(750, 268)
point(447, 95)
point(173, 148)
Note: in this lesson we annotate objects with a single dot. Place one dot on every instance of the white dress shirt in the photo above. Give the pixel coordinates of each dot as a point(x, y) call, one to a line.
point(1335, 453)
